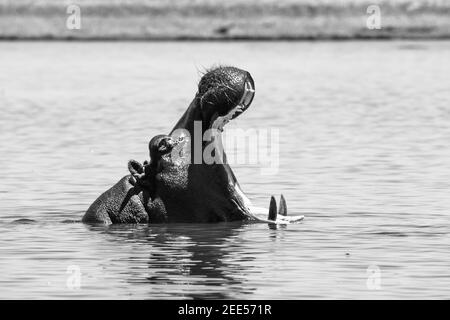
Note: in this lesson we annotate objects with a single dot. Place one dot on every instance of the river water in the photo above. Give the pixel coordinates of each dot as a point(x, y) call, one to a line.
point(363, 154)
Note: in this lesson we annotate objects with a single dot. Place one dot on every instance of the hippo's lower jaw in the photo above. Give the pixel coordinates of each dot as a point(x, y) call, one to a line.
point(239, 198)
point(273, 215)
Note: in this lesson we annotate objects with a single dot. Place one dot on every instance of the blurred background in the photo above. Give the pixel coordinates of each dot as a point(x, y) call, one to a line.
point(231, 19)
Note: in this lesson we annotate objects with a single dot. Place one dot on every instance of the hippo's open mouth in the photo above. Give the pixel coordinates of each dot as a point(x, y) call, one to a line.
point(247, 97)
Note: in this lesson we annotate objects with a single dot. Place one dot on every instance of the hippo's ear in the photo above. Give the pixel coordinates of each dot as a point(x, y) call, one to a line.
point(135, 167)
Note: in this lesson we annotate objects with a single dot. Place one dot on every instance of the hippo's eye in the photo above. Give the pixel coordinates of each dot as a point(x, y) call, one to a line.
point(165, 145)
point(162, 146)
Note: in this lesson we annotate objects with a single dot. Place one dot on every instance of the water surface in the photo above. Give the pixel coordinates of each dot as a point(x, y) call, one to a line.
point(364, 133)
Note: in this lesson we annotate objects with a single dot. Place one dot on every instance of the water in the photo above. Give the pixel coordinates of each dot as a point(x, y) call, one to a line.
point(363, 155)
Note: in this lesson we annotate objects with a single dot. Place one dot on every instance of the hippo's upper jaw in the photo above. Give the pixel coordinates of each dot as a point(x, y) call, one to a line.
point(223, 94)
point(218, 122)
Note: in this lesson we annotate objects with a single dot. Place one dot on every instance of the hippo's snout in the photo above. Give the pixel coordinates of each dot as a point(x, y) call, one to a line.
point(225, 92)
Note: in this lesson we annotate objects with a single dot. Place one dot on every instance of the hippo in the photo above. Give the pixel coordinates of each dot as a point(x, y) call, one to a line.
point(171, 188)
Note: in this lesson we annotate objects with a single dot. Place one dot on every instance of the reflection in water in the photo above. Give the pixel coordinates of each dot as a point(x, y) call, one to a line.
point(189, 255)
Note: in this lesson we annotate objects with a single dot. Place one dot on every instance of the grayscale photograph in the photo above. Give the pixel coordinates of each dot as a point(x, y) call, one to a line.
point(224, 150)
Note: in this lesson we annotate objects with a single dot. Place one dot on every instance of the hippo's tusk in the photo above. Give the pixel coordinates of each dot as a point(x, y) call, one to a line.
point(283, 207)
point(272, 209)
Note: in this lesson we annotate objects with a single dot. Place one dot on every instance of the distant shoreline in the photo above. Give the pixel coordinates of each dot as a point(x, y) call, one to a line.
point(234, 20)
point(230, 39)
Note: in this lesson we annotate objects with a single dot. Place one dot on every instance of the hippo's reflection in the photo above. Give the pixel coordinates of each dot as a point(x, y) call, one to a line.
point(200, 261)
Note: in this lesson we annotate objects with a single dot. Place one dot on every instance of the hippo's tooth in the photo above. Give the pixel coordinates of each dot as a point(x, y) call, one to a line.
point(283, 207)
point(248, 94)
